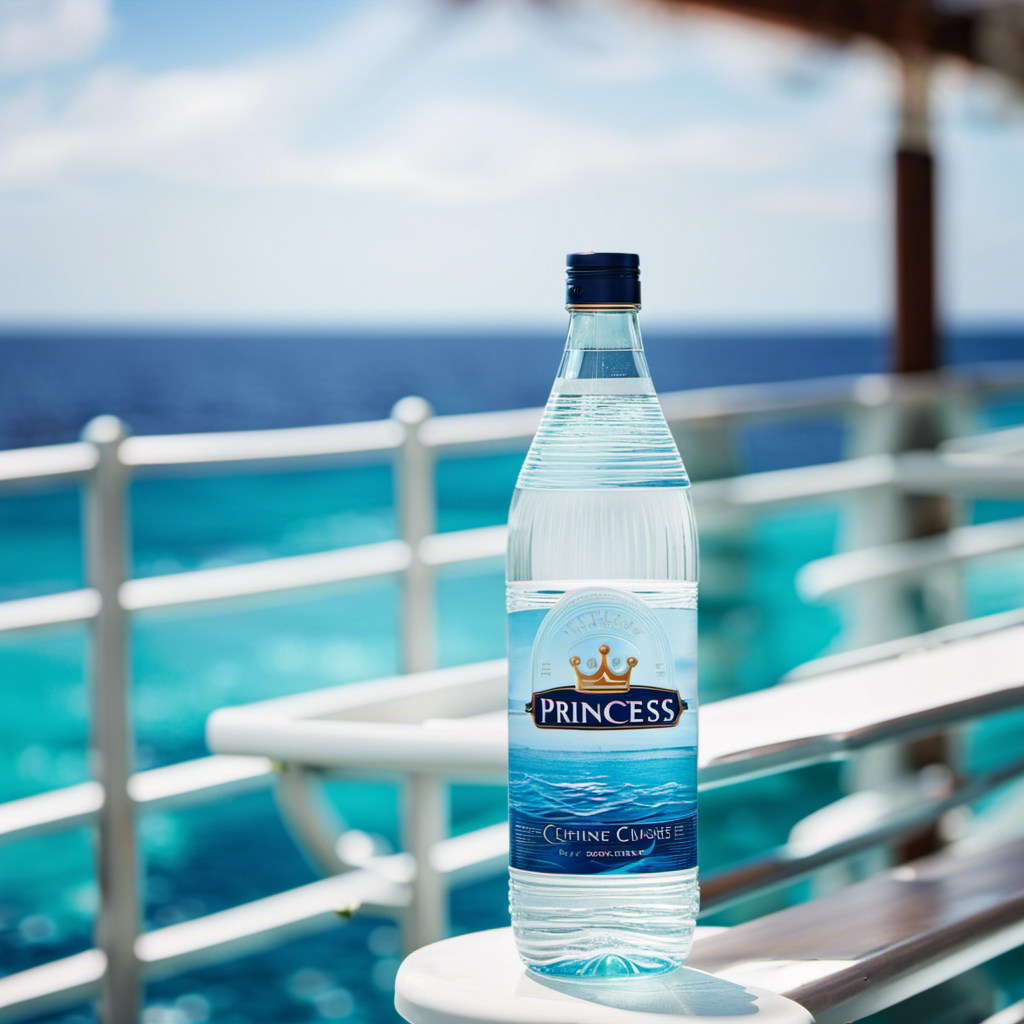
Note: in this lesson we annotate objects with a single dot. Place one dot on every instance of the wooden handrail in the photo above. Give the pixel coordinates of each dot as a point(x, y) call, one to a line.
point(856, 950)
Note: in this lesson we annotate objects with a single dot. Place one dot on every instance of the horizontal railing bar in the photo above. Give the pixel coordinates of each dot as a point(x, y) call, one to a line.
point(702, 407)
point(973, 475)
point(253, 579)
point(474, 687)
point(336, 442)
point(461, 546)
point(57, 810)
point(64, 609)
point(227, 934)
point(783, 866)
point(709, 406)
point(492, 431)
point(52, 986)
point(819, 395)
point(175, 785)
point(46, 463)
point(830, 577)
point(780, 487)
point(1013, 1014)
point(905, 645)
point(474, 431)
point(693, 407)
point(271, 576)
point(199, 780)
point(472, 855)
point(264, 923)
point(809, 720)
point(1008, 441)
point(992, 376)
point(252, 927)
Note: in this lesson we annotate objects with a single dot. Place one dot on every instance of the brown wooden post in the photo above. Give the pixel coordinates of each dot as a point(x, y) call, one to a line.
point(916, 342)
point(916, 347)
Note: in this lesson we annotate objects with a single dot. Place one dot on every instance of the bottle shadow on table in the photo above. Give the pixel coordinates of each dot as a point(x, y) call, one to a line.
point(684, 992)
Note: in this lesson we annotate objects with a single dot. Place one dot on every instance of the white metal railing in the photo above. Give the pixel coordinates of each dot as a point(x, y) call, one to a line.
point(378, 727)
point(909, 559)
point(107, 458)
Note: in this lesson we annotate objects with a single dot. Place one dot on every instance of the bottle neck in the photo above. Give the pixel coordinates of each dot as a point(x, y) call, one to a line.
point(603, 344)
point(604, 329)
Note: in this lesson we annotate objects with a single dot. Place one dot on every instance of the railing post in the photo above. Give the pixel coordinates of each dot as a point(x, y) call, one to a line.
point(424, 797)
point(425, 822)
point(896, 420)
point(112, 740)
point(883, 610)
point(416, 501)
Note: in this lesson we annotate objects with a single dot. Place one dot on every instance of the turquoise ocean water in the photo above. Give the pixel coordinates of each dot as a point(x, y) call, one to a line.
point(753, 627)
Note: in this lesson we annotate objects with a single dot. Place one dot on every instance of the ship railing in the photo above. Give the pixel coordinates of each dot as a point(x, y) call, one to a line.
point(432, 728)
point(107, 458)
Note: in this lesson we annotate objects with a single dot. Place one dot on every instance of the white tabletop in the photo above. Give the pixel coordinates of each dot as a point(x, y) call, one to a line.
point(479, 979)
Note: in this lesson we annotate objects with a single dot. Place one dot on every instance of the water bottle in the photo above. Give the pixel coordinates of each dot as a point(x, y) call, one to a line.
point(601, 592)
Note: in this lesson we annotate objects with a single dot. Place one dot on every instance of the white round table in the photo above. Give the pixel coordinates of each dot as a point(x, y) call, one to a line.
point(479, 979)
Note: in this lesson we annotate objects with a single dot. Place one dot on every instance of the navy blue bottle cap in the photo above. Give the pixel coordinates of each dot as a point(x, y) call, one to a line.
point(602, 279)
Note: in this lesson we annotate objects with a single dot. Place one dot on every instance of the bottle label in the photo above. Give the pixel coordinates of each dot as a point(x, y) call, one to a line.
point(603, 736)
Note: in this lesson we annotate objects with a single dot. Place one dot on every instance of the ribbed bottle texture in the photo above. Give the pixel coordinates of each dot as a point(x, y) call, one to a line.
point(599, 441)
point(601, 596)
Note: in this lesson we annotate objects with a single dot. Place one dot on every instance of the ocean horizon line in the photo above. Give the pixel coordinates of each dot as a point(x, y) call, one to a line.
point(650, 325)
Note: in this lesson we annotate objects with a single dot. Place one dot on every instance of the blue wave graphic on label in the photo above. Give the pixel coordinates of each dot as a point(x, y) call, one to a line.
point(602, 736)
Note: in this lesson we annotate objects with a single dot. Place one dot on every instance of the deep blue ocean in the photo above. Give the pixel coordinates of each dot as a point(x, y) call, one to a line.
point(163, 381)
point(753, 626)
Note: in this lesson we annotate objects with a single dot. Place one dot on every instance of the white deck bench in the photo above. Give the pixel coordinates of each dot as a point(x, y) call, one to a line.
point(452, 721)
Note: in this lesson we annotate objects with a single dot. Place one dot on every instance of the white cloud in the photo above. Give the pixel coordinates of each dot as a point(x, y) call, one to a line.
point(461, 150)
point(219, 128)
point(122, 122)
point(410, 120)
point(43, 33)
point(251, 123)
point(197, 124)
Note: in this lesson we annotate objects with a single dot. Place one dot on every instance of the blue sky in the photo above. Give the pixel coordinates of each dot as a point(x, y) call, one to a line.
point(306, 161)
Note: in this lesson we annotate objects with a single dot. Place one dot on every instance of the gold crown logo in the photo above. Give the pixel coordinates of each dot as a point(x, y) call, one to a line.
point(604, 680)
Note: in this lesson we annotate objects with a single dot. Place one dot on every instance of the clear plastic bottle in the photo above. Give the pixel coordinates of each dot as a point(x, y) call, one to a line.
point(602, 598)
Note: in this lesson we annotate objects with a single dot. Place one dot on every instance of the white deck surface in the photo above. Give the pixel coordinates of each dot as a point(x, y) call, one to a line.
point(479, 979)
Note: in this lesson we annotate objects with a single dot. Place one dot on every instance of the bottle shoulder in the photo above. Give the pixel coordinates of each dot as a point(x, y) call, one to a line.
point(613, 437)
